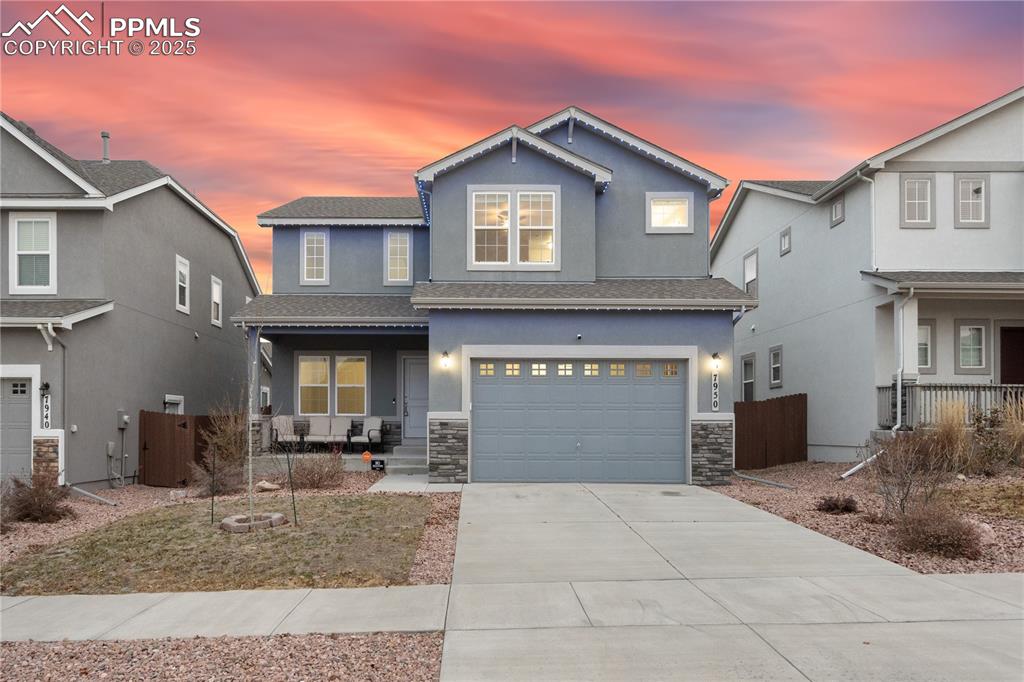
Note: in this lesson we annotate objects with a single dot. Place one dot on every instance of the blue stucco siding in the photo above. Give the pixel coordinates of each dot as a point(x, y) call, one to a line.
point(383, 349)
point(711, 332)
point(450, 225)
point(356, 260)
point(624, 249)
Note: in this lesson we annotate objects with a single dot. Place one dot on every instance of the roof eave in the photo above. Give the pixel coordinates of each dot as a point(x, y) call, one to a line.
point(61, 321)
point(351, 222)
point(428, 303)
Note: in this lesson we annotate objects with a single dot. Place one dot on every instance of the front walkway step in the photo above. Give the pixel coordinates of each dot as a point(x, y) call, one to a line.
point(410, 450)
point(407, 469)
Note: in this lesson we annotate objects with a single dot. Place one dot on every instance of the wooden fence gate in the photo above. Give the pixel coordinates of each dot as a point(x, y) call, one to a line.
point(771, 432)
point(167, 444)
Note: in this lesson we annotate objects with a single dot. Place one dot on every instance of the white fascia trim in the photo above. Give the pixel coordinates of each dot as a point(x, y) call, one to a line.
point(32, 372)
point(33, 203)
point(59, 165)
point(362, 222)
point(579, 304)
point(337, 322)
point(66, 322)
point(715, 182)
point(601, 175)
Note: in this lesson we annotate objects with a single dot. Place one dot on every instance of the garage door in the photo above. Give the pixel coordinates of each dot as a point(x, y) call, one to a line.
point(16, 428)
point(578, 420)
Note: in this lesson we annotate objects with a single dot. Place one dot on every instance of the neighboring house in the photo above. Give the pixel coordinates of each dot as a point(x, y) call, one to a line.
point(911, 263)
point(541, 310)
point(115, 295)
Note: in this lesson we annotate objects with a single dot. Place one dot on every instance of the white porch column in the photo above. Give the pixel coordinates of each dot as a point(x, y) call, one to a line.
point(908, 319)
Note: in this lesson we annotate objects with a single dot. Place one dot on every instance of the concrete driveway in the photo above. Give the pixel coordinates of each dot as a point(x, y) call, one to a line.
point(621, 582)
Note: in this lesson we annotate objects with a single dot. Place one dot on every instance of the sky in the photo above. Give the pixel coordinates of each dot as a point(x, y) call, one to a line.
point(285, 99)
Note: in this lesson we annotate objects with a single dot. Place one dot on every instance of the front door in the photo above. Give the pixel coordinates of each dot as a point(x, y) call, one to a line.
point(1011, 355)
point(414, 391)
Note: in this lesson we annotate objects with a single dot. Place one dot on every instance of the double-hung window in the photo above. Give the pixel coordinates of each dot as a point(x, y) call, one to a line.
point(398, 257)
point(491, 221)
point(838, 210)
point(785, 241)
point(216, 301)
point(315, 262)
point(972, 203)
point(33, 249)
point(536, 227)
point(971, 346)
point(669, 213)
point(748, 365)
point(775, 367)
point(182, 287)
point(917, 200)
point(750, 273)
point(513, 227)
point(350, 385)
point(926, 346)
point(314, 384)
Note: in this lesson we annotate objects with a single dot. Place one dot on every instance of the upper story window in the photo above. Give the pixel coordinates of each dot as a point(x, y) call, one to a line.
point(315, 261)
point(972, 204)
point(775, 367)
point(750, 273)
point(838, 210)
point(748, 377)
point(669, 212)
point(216, 301)
point(785, 241)
point(182, 287)
point(397, 257)
point(917, 200)
point(33, 248)
point(514, 228)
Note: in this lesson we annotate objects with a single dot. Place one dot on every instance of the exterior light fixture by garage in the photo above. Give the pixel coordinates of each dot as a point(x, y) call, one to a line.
point(716, 361)
point(446, 360)
point(716, 365)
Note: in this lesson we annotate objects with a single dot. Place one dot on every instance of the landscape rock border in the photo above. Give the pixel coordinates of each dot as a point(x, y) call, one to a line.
point(241, 523)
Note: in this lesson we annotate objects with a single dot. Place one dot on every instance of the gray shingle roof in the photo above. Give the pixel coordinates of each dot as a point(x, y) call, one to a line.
point(805, 187)
point(950, 277)
point(379, 208)
point(700, 293)
point(330, 310)
point(46, 308)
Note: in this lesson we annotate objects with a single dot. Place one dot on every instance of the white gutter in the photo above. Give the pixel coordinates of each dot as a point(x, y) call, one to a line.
point(899, 360)
point(871, 220)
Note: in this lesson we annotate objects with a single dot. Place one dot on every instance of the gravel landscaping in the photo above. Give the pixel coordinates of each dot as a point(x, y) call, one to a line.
point(435, 557)
point(379, 656)
point(994, 501)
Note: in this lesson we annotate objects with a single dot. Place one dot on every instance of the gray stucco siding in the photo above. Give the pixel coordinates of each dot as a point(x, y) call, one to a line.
point(624, 248)
point(24, 172)
point(711, 332)
point(450, 220)
point(356, 260)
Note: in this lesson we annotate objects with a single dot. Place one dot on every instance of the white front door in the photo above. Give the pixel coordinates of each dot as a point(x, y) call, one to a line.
point(414, 401)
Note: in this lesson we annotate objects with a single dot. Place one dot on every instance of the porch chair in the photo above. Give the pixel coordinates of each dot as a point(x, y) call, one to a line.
point(341, 432)
point(319, 430)
point(373, 428)
point(282, 429)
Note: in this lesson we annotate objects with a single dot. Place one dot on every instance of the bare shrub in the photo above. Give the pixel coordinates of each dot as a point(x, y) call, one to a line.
point(837, 504)
point(1013, 429)
point(42, 501)
point(222, 469)
point(909, 469)
point(993, 452)
point(935, 529)
point(318, 470)
point(950, 433)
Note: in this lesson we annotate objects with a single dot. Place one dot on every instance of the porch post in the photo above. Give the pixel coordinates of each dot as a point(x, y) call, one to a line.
point(909, 320)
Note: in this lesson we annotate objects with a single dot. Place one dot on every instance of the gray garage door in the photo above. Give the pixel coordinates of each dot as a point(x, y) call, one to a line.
point(15, 428)
point(578, 420)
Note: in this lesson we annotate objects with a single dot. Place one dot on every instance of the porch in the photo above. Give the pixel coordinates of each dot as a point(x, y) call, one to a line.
point(922, 402)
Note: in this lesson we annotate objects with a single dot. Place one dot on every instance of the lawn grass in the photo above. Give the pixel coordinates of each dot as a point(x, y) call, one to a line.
point(1005, 500)
point(342, 541)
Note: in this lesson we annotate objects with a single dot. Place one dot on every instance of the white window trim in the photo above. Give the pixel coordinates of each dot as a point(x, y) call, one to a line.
point(217, 286)
point(958, 221)
point(388, 282)
point(660, 229)
point(772, 382)
point(181, 264)
point(929, 222)
point(840, 203)
point(332, 388)
point(365, 385)
point(785, 248)
point(264, 391)
point(303, 280)
point(12, 248)
point(177, 400)
point(753, 377)
point(299, 357)
point(513, 263)
point(553, 227)
point(932, 339)
point(984, 367)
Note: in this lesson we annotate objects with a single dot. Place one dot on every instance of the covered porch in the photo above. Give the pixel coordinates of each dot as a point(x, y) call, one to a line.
point(947, 337)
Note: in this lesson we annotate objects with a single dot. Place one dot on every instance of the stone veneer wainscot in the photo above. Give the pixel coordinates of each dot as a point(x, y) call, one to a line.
point(712, 448)
point(448, 450)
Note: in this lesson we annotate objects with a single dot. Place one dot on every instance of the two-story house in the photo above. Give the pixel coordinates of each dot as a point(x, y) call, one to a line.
point(540, 310)
point(116, 289)
point(891, 289)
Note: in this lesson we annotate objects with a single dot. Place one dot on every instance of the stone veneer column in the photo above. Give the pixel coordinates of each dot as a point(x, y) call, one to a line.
point(711, 447)
point(448, 450)
point(46, 459)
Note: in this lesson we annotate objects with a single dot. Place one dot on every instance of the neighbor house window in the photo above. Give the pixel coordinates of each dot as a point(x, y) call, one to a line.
point(971, 350)
point(350, 385)
point(748, 378)
point(670, 212)
point(33, 249)
point(512, 369)
point(972, 203)
point(785, 241)
point(314, 384)
point(491, 221)
point(926, 346)
point(216, 301)
point(536, 227)
point(264, 396)
point(315, 265)
point(917, 199)
point(838, 210)
point(750, 274)
point(775, 367)
point(398, 257)
point(539, 369)
point(181, 284)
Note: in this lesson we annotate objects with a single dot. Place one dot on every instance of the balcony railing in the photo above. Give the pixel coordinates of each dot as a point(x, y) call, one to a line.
point(922, 401)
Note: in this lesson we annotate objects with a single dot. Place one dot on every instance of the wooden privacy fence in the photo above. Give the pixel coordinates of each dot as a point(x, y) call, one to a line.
point(771, 432)
point(167, 444)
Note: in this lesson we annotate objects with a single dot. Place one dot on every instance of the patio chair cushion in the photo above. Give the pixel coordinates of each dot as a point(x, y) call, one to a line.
point(319, 428)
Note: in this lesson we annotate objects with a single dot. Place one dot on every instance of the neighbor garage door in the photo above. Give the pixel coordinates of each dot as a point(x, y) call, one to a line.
point(578, 420)
point(15, 428)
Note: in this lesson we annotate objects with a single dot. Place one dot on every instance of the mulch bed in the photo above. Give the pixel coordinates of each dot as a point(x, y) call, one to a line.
point(816, 480)
point(380, 656)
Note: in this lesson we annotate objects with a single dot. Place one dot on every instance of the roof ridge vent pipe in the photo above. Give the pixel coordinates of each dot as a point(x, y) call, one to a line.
point(105, 136)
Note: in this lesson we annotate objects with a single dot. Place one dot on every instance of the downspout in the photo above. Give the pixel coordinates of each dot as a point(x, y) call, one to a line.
point(871, 219)
point(899, 360)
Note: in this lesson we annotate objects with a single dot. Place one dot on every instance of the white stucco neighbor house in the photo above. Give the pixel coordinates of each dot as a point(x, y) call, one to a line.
point(910, 265)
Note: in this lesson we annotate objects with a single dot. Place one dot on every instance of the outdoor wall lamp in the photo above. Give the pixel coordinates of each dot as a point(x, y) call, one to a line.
point(446, 360)
point(716, 361)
